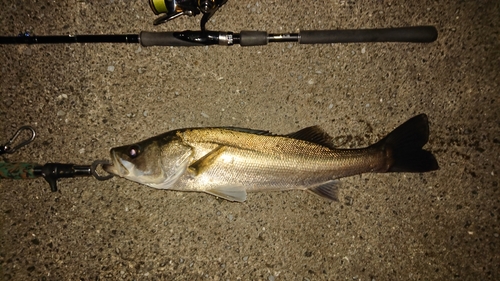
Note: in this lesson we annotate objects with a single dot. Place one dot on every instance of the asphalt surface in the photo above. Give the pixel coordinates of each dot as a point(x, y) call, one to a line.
point(83, 99)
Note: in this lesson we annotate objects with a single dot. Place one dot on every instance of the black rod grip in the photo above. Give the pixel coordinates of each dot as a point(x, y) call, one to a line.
point(148, 38)
point(253, 38)
point(415, 34)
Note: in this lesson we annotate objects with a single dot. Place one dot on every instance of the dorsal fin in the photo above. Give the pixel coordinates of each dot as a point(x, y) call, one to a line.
point(250, 131)
point(314, 134)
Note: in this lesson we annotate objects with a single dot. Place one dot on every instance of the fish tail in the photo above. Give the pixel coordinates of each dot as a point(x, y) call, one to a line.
point(404, 145)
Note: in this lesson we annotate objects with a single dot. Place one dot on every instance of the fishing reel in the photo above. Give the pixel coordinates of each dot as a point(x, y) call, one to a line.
point(173, 9)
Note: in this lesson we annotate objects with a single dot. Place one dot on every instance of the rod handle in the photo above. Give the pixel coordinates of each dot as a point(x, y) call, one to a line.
point(148, 38)
point(17, 171)
point(415, 34)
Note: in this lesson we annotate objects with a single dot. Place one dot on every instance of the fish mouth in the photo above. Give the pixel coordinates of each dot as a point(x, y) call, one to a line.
point(117, 167)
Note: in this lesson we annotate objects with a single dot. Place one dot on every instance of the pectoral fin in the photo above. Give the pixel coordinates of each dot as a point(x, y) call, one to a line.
point(229, 192)
point(206, 161)
point(327, 190)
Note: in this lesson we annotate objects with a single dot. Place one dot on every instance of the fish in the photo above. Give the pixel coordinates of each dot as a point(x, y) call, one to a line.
point(230, 162)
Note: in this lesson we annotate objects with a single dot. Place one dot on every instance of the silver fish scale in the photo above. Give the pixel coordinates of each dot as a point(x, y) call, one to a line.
point(263, 162)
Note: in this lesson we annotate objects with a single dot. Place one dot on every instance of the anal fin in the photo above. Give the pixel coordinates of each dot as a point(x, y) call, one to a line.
point(328, 190)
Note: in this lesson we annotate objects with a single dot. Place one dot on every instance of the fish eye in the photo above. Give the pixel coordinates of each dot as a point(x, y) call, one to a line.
point(134, 151)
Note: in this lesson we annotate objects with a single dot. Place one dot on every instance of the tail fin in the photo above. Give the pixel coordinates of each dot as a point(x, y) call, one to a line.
point(405, 144)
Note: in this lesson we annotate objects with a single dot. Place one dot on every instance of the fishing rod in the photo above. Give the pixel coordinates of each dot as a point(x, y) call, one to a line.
point(413, 34)
point(172, 9)
point(51, 172)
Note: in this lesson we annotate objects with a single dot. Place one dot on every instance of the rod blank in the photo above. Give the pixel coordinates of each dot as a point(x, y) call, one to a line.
point(65, 39)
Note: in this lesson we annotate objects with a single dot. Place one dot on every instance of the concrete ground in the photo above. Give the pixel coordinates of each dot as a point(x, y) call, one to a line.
point(84, 99)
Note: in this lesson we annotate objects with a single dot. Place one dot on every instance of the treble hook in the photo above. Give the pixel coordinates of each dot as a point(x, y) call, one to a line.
point(6, 148)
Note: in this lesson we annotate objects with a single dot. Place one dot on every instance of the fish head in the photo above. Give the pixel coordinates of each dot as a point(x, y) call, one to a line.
point(139, 162)
point(157, 162)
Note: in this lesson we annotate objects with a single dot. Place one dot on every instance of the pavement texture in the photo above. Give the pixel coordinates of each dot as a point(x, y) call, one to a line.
point(84, 99)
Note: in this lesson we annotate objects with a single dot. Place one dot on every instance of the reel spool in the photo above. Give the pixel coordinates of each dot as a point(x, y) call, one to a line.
point(172, 9)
